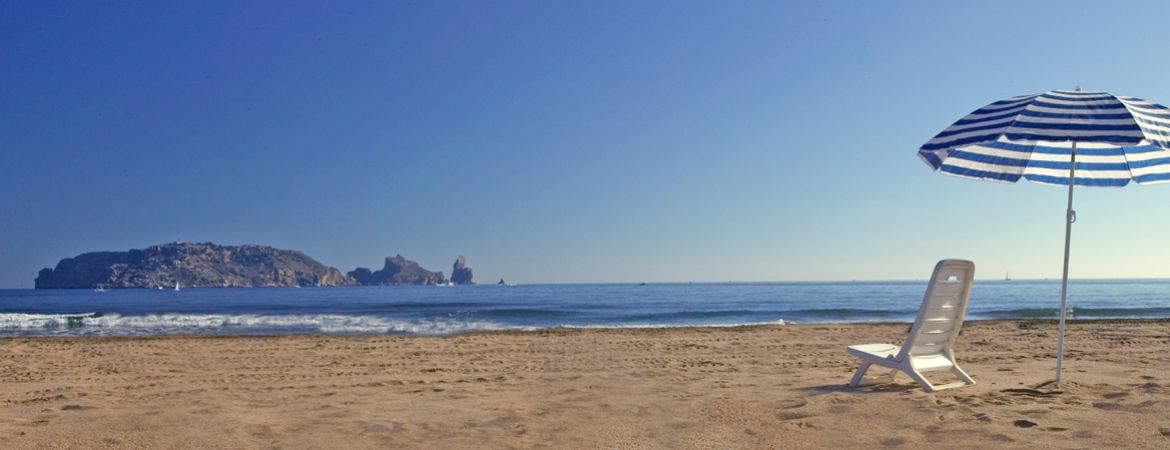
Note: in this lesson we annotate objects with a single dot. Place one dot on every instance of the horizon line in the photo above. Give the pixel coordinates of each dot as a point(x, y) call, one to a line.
point(648, 283)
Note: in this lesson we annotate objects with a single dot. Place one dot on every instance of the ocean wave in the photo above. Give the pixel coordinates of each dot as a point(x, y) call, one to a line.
point(1077, 313)
point(428, 305)
point(696, 315)
point(47, 321)
point(117, 324)
point(847, 314)
point(524, 313)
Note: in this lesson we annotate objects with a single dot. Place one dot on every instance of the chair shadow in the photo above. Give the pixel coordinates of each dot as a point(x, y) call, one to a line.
point(844, 388)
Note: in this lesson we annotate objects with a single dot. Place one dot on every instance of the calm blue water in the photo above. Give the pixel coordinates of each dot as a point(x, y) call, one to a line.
point(429, 310)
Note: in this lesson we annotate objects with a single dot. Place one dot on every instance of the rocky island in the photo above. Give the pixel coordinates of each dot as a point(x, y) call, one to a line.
point(396, 271)
point(188, 264)
point(460, 273)
point(401, 271)
point(210, 265)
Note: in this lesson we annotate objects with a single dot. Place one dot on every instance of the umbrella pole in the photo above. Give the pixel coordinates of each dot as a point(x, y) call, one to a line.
point(1070, 216)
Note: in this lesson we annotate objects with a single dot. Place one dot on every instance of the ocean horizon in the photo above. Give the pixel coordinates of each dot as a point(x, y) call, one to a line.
point(445, 310)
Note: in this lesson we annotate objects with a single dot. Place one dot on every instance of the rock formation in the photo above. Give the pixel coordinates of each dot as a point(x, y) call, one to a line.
point(460, 273)
point(191, 265)
point(397, 271)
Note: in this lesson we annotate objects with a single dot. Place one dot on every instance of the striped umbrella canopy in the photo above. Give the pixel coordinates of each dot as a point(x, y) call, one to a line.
point(1064, 138)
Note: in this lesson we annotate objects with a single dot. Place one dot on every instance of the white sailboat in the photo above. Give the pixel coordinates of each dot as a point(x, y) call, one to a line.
point(176, 285)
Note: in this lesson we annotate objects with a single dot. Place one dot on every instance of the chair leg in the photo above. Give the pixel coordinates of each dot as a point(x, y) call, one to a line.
point(859, 377)
point(860, 374)
point(921, 380)
point(962, 375)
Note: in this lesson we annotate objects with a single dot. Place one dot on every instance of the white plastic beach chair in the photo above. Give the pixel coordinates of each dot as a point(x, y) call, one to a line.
point(928, 347)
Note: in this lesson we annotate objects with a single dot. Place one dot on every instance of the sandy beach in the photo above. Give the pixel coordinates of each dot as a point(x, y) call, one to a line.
point(777, 386)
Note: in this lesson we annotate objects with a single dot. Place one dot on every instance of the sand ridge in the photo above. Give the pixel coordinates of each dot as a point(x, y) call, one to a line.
point(778, 386)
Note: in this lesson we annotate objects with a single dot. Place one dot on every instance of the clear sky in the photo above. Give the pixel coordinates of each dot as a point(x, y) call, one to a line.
point(559, 141)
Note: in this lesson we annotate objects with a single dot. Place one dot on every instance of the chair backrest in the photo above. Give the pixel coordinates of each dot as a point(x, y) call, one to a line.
point(942, 310)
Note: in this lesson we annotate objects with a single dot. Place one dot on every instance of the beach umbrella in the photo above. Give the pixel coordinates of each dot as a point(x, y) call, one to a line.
point(1062, 138)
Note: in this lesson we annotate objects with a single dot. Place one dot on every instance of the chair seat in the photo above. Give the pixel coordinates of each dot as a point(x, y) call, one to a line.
point(877, 350)
point(931, 362)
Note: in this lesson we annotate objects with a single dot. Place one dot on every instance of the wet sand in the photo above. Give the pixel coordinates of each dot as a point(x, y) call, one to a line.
point(777, 386)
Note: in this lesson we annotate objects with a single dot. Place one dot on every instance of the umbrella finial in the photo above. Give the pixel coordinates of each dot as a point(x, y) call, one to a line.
point(1078, 88)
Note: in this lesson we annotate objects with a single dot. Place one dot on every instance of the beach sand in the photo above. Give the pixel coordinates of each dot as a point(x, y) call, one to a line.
point(779, 386)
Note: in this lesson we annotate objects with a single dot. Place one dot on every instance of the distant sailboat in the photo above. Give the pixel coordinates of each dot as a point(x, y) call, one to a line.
point(1007, 276)
point(176, 285)
point(99, 288)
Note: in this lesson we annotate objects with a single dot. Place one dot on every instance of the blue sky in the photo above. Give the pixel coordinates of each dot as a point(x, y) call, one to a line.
point(559, 141)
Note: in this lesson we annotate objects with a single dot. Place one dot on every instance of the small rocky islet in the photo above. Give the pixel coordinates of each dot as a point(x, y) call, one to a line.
point(401, 271)
point(212, 265)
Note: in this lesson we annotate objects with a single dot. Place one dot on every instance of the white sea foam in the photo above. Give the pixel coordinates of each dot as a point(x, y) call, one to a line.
point(92, 323)
point(35, 321)
point(148, 324)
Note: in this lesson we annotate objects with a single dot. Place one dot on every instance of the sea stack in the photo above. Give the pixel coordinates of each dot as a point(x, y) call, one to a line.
point(460, 273)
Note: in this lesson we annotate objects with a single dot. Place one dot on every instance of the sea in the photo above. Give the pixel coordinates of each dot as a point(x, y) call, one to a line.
point(445, 310)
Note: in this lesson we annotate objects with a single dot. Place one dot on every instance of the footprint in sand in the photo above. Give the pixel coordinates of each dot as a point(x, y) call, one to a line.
point(1123, 407)
point(794, 415)
point(793, 403)
point(74, 407)
point(38, 422)
point(1024, 423)
point(1032, 392)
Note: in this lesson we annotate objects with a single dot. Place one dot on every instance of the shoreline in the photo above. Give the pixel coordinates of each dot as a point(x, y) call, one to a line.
point(521, 330)
point(780, 386)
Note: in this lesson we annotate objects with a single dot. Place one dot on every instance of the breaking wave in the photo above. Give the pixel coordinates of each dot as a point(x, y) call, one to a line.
point(117, 324)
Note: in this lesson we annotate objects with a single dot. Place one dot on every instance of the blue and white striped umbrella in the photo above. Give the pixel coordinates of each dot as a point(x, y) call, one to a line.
point(1066, 138)
point(1118, 139)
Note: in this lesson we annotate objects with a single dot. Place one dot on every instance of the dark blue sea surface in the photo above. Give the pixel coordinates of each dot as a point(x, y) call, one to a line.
point(431, 310)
